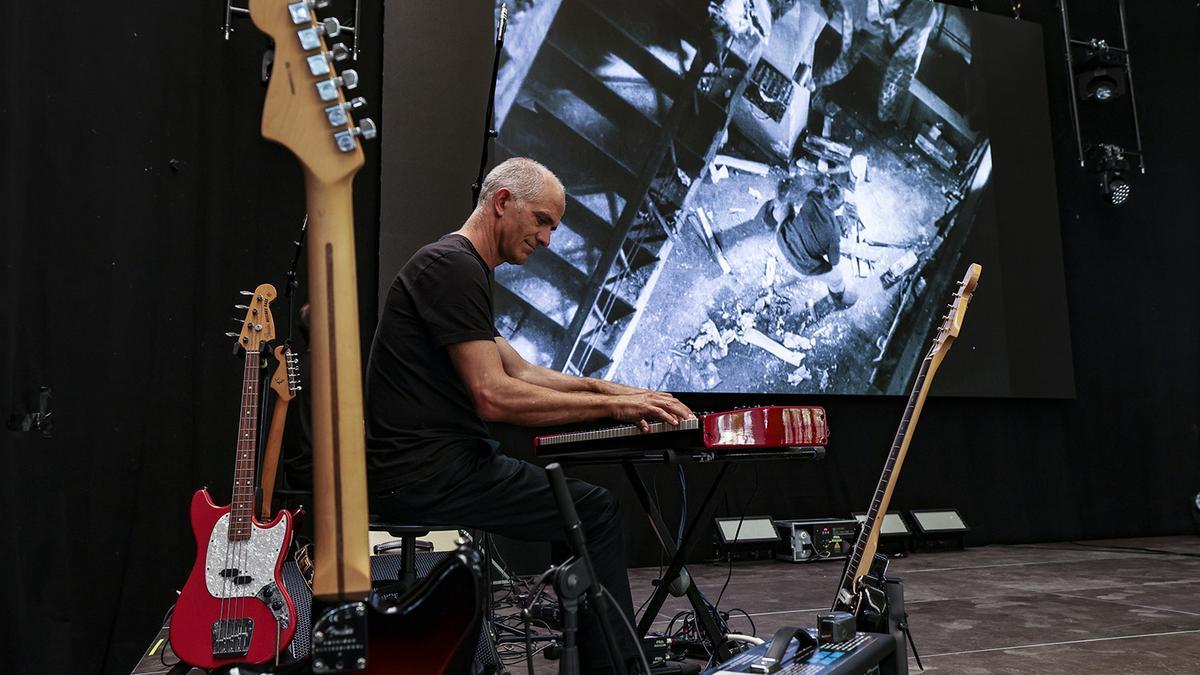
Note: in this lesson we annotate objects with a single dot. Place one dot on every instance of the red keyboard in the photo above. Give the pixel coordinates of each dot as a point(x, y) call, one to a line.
point(747, 429)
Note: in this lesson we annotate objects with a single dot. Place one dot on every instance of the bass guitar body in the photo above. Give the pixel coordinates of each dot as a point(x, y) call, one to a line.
point(430, 628)
point(234, 608)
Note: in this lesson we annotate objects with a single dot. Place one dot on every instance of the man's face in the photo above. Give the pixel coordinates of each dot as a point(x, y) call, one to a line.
point(833, 199)
point(526, 225)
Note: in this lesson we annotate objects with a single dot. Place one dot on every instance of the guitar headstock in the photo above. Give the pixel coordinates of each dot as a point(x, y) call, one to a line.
point(258, 326)
point(286, 380)
point(952, 322)
point(305, 110)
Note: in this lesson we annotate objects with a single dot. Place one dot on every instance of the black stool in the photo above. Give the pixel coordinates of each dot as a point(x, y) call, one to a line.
point(409, 544)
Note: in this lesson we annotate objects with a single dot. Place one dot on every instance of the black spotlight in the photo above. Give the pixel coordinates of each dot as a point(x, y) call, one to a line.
point(1113, 166)
point(1115, 187)
point(1100, 76)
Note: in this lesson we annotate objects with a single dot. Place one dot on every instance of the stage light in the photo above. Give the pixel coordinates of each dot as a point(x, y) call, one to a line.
point(893, 525)
point(1101, 75)
point(1116, 187)
point(745, 538)
point(939, 522)
point(1111, 163)
point(1101, 84)
point(938, 529)
point(895, 537)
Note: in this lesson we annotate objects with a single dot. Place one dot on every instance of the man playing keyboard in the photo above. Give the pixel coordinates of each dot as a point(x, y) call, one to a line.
point(439, 372)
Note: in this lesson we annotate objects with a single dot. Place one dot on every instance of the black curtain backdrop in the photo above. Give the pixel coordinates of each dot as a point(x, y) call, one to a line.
point(138, 199)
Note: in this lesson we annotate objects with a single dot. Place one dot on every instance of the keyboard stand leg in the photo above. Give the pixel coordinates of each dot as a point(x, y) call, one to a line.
point(708, 623)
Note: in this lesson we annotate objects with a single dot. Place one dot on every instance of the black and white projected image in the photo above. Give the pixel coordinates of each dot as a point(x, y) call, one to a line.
point(763, 196)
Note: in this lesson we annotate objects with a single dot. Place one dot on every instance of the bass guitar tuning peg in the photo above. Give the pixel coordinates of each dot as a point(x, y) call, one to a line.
point(231, 334)
point(246, 292)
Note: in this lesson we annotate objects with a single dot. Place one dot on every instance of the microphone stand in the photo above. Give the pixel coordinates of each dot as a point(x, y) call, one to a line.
point(290, 285)
point(575, 577)
point(489, 118)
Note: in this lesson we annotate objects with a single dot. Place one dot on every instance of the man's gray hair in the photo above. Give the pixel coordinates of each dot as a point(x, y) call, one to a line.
point(525, 179)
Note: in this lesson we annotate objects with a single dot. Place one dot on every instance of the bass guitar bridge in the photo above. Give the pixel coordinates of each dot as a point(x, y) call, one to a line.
point(231, 638)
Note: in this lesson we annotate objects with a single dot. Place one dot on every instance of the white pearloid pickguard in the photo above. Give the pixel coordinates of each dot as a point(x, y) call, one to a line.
point(254, 557)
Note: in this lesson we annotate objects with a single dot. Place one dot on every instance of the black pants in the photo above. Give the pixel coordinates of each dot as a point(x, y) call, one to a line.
point(479, 487)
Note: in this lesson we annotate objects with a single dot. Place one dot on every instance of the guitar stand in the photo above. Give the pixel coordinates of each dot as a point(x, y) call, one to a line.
point(897, 624)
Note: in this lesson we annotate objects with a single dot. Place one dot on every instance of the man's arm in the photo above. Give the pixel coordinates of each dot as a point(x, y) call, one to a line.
point(500, 397)
point(516, 366)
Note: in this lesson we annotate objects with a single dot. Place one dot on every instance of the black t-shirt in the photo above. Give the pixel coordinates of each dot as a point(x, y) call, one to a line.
point(809, 237)
point(418, 410)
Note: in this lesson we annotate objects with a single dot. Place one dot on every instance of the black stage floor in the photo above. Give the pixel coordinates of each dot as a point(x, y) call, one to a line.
point(1112, 606)
point(1089, 607)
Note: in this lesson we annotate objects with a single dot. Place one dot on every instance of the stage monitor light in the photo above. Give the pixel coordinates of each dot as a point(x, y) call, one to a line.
point(893, 525)
point(747, 530)
point(938, 521)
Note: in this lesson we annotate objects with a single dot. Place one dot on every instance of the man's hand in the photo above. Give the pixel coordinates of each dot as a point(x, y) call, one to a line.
point(656, 406)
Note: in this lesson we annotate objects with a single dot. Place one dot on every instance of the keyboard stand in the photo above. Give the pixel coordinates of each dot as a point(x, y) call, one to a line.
point(707, 622)
point(704, 617)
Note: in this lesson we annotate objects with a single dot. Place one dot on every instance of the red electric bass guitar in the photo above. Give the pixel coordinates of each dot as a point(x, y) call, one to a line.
point(234, 608)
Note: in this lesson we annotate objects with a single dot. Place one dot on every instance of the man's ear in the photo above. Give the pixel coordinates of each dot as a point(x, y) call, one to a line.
point(502, 201)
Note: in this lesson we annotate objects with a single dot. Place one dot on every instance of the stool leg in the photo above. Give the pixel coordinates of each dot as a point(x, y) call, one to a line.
point(408, 563)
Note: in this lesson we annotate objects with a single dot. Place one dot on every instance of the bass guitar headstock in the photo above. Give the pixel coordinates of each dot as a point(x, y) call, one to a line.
point(306, 110)
point(258, 327)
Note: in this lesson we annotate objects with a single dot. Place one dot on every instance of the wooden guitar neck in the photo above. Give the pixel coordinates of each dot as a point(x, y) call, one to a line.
point(863, 554)
point(339, 459)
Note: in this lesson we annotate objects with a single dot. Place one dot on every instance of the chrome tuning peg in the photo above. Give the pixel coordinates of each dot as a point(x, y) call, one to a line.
point(345, 139)
point(367, 129)
point(322, 64)
point(246, 292)
point(331, 27)
point(230, 334)
point(241, 306)
point(337, 114)
point(328, 89)
point(310, 38)
point(301, 12)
